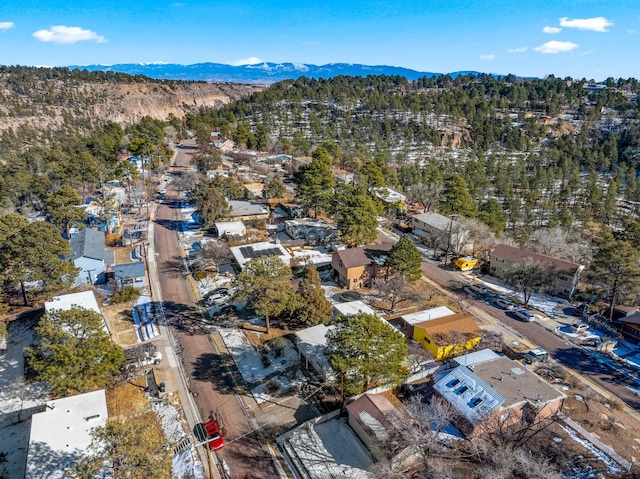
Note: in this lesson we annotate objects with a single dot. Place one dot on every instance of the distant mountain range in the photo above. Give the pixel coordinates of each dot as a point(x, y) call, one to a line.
point(262, 73)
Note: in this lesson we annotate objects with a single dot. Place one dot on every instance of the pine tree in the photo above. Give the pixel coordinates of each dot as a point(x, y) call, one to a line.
point(405, 259)
point(457, 198)
point(313, 306)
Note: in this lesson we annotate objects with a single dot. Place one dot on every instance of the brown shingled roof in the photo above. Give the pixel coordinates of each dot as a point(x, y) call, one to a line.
point(447, 324)
point(518, 255)
point(352, 257)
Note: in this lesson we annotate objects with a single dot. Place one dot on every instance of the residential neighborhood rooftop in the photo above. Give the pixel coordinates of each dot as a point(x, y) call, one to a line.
point(426, 315)
point(245, 253)
point(353, 307)
point(511, 253)
point(515, 383)
point(61, 433)
point(352, 257)
point(84, 299)
point(474, 399)
point(458, 323)
point(476, 357)
point(90, 244)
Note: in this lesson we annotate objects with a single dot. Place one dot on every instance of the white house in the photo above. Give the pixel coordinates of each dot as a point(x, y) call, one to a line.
point(62, 432)
point(84, 299)
point(231, 228)
point(443, 232)
point(311, 343)
point(88, 253)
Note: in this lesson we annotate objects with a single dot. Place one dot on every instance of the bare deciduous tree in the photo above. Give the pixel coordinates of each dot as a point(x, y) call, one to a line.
point(427, 195)
point(396, 290)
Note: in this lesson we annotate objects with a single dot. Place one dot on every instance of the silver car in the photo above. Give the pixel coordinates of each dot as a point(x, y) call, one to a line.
point(505, 304)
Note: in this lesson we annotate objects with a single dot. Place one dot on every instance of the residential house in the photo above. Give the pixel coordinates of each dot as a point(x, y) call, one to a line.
point(497, 392)
point(313, 230)
point(356, 267)
point(128, 274)
point(352, 307)
point(236, 229)
point(311, 344)
point(245, 253)
point(245, 210)
point(442, 232)
point(88, 253)
point(375, 420)
point(394, 202)
point(408, 321)
point(84, 299)
point(567, 274)
point(630, 326)
point(448, 335)
point(62, 433)
point(254, 191)
point(352, 267)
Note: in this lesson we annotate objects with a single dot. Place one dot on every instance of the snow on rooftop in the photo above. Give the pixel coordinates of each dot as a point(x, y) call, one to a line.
point(426, 315)
point(245, 253)
point(85, 299)
point(353, 307)
point(62, 433)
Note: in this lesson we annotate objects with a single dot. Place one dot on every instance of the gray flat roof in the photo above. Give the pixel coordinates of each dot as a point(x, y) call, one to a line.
point(129, 270)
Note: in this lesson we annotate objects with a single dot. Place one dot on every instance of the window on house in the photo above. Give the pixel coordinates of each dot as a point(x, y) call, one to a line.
point(493, 268)
point(563, 278)
point(427, 340)
point(476, 402)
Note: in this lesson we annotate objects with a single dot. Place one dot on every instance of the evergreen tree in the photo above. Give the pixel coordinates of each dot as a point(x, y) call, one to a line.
point(367, 351)
point(131, 449)
point(64, 209)
point(457, 200)
point(405, 258)
point(313, 306)
point(266, 283)
point(75, 352)
point(315, 182)
point(356, 214)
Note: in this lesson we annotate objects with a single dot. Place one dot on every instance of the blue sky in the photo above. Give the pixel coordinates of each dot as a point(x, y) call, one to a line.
point(579, 38)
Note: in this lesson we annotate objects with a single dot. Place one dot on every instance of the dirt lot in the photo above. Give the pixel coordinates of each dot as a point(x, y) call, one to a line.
point(120, 319)
point(127, 399)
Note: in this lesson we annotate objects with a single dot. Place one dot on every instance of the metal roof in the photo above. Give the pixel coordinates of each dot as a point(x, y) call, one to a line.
point(468, 394)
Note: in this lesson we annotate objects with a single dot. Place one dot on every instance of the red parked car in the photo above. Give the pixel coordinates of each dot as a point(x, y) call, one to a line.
point(213, 434)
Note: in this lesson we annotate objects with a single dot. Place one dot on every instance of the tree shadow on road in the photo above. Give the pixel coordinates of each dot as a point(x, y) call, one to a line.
point(173, 267)
point(210, 368)
point(187, 319)
point(172, 225)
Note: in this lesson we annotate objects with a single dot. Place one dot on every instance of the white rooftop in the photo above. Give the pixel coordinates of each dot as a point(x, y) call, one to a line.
point(62, 432)
point(313, 341)
point(388, 195)
point(427, 315)
point(312, 256)
point(476, 357)
point(353, 307)
point(229, 226)
point(245, 253)
point(468, 394)
point(85, 299)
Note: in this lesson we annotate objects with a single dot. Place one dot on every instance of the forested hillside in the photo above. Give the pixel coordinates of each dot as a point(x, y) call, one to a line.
point(536, 153)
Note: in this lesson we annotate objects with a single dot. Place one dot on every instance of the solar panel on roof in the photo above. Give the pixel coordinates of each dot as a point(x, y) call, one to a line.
point(250, 253)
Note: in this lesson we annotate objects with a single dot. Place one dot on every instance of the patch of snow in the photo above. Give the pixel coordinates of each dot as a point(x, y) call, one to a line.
point(285, 384)
point(613, 467)
point(185, 463)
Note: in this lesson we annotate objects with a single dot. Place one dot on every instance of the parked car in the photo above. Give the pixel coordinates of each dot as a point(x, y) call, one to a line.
point(477, 290)
point(523, 314)
point(505, 304)
point(535, 355)
point(218, 298)
point(579, 327)
point(209, 433)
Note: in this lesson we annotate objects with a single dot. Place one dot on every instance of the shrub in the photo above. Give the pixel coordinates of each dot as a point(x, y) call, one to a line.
point(277, 345)
point(125, 295)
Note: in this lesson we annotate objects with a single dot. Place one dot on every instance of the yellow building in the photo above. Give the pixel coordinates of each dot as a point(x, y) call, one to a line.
point(467, 263)
point(448, 336)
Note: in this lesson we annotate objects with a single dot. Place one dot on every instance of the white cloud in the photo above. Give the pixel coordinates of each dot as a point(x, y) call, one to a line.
point(4, 26)
point(248, 61)
point(487, 58)
point(596, 24)
point(517, 50)
point(555, 46)
point(548, 29)
point(68, 35)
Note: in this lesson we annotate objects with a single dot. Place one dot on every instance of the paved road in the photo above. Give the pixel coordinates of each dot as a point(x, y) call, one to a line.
point(211, 386)
point(566, 353)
